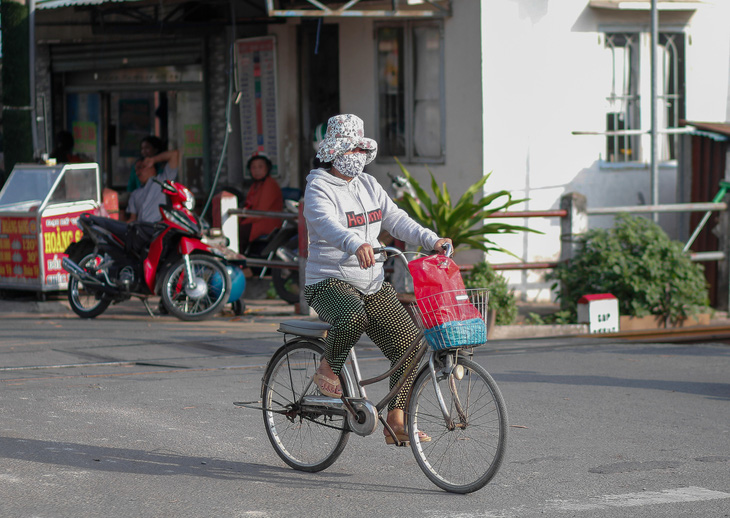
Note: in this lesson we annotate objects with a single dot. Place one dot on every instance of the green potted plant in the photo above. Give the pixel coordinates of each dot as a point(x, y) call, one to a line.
point(463, 221)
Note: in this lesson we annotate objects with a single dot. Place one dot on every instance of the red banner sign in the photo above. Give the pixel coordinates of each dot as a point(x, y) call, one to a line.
point(19, 248)
point(58, 232)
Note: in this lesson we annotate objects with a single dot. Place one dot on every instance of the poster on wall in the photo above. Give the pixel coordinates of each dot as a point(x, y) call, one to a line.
point(83, 119)
point(85, 141)
point(256, 89)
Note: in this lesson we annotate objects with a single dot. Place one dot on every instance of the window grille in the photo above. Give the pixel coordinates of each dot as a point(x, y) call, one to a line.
point(623, 100)
point(409, 59)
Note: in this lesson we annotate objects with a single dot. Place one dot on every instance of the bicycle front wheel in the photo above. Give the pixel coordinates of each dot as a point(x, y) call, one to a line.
point(305, 440)
point(464, 454)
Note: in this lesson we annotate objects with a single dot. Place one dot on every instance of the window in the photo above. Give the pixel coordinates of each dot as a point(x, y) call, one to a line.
point(623, 100)
point(670, 89)
point(410, 91)
point(628, 115)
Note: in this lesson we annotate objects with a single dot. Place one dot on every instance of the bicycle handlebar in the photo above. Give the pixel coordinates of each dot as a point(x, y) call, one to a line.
point(387, 249)
point(400, 253)
point(397, 251)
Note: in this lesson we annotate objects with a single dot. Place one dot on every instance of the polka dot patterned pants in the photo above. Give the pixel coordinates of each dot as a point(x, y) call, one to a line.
point(380, 315)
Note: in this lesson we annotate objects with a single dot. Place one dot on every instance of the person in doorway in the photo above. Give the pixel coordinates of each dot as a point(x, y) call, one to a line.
point(144, 202)
point(64, 150)
point(345, 210)
point(149, 147)
point(264, 195)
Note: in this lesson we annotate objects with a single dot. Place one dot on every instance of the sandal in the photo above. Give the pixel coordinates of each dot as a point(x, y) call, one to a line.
point(323, 381)
point(404, 440)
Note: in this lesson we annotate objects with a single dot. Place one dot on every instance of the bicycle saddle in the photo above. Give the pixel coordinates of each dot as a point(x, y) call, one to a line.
point(308, 328)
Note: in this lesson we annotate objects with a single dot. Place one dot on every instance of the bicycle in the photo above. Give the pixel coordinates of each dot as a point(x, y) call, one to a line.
point(453, 399)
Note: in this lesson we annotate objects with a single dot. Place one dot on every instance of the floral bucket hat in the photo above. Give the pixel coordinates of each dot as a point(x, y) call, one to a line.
point(345, 133)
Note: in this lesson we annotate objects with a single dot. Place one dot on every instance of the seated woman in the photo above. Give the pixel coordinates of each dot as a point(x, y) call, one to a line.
point(345, 210)
point(264, 195)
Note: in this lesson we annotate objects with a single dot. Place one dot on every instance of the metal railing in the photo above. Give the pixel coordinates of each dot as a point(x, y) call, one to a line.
point(573, 216)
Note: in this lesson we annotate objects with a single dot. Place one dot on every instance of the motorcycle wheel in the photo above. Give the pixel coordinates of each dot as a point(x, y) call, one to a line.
point(210, 294)
point(286, 284)
point(84, 302)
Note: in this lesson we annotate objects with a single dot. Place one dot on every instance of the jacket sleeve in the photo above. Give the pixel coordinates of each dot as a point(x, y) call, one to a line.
point(168, 173)
point(321, 217)
point(400, 225)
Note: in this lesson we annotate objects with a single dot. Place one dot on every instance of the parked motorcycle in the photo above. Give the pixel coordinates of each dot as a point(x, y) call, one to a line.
point(115, 261)
point(280, 245)
point(286, 280)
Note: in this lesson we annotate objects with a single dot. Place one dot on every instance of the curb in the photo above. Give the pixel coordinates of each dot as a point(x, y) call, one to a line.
point(275, 311)
point(535, 331)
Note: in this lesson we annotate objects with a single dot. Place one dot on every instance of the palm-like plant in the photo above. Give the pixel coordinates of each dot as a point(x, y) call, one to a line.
point(463, 222)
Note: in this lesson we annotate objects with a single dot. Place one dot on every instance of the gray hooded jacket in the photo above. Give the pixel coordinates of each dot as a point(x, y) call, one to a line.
point(341, 216)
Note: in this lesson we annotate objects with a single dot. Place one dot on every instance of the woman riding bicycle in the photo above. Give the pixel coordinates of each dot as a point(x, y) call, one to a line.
point(345, 210)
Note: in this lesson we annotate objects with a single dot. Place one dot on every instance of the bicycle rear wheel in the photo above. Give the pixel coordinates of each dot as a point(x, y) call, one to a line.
point(305, 440)
point(464, 457)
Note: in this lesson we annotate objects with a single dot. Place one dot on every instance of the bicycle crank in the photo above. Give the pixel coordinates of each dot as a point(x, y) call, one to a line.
point(362, 417)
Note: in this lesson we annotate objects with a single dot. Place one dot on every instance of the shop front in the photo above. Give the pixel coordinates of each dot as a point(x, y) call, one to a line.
point(111, 103)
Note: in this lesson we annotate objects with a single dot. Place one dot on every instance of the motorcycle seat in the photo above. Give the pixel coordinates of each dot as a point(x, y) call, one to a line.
point(118, 228)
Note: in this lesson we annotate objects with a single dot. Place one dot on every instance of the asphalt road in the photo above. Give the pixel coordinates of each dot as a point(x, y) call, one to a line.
point(127, 415)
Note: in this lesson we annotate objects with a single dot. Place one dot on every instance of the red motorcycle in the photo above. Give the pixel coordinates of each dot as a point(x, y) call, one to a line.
point(115, 261)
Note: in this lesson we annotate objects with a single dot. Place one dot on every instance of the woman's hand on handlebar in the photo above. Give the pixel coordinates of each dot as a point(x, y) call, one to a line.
point(444, 246)
point(365, 256)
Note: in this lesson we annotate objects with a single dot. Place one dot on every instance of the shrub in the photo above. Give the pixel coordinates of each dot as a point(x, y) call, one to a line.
point(501, 298)
point(638, 263)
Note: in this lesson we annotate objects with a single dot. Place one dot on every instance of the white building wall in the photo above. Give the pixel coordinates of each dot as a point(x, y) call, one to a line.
point(520, 77)
point(545, 76)
point(287, 108)
point(358, 93)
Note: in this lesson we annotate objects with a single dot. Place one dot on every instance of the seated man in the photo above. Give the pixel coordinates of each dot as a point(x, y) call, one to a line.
point(144, 202)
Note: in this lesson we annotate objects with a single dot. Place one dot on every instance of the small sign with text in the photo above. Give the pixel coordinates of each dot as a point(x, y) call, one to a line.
point(600, 312)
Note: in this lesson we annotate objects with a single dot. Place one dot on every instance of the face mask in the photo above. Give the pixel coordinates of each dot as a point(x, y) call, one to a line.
point(350, 165)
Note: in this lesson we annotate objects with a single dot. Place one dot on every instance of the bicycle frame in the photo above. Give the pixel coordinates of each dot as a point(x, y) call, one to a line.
point(452, 397)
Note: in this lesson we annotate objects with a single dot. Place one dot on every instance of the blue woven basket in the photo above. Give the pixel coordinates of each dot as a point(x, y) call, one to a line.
point(459, 333)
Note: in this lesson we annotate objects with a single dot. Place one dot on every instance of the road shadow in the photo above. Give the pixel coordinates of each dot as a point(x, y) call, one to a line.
point(168, 462)
point(720, 391)
point(720, 350)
